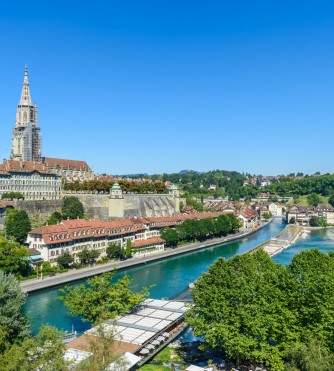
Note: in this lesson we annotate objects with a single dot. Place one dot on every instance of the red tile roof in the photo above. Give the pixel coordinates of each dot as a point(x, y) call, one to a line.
point(148, 242)
point(10, 166)
point(62, 163)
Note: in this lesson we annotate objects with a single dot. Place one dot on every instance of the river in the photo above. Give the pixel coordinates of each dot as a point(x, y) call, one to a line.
point(170, 276)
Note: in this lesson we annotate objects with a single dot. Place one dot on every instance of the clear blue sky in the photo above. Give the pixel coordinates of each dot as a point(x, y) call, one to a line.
point(164, 85)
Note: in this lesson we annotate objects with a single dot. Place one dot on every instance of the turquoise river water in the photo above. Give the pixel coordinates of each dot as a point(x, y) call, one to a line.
point(170, 276)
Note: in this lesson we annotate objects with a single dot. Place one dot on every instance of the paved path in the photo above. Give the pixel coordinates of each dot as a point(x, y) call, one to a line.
point(78, 274)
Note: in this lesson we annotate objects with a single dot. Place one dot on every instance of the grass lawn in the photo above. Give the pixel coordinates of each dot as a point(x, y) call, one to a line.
point(154, 368)
point(302, 200)
point(168, 354)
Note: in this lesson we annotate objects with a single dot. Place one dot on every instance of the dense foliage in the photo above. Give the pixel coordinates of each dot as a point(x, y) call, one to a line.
point(72, 208)
point(13, 325)
point(13, 257)
point(323, 185)
point(261, 312)
point(17, 225)
point(12, 196)
point(126, 185)
point(191, 230)
point(100, 299)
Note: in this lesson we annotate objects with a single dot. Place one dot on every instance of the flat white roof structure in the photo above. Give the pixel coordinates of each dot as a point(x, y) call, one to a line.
point(76, 355)
point(151, 317)
point(129, 359)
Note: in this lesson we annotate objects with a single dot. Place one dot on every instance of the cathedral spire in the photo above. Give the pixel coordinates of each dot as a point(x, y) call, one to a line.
point(25, 95)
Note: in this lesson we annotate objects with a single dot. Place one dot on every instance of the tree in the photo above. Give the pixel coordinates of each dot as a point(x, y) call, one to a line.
point(13, 257)
point(114, 251)
point(44, 352)
point(17, 225)
point(12, 322)
point(12, 195)
point(100, 300)
point(312, 295)
point(292, 220)
point(72, 208)
point(128, 248)
point(259, 311)
point(65, 260)
point(55, 218)
point(104, 349)
point(314, 221)
point(331, 200)
point(88, 256)
point(313, 199)
point(240, 306)
point(170, 235)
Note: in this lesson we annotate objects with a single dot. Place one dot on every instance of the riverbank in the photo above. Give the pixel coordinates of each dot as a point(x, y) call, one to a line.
point(75, 275)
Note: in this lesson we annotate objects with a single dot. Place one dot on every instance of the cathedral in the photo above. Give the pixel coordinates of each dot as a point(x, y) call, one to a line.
point(26, 139)
point(26, 142)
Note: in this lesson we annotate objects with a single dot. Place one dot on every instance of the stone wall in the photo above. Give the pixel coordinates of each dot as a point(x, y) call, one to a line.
point(149, 205)
point(42, 207)
point(97, 205)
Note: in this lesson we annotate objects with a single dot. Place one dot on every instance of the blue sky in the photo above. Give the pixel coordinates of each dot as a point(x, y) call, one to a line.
point(164, 85)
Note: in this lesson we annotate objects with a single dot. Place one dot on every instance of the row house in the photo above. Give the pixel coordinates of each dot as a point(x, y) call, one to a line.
point(32, 179)
point(274, 208)
point(303, 214)
point(76, 235)
point(248, 217)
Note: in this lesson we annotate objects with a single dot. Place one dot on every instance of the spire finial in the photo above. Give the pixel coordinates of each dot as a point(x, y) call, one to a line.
point(25, 95)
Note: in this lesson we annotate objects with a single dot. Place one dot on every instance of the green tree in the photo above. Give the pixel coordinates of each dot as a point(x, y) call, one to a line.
point(13, 323)
point(88, 256)
point(17, 225)
point(65, 260)
point(292, 220)
point(13, 257)
point(128, 250)
point(171, 236)
point(331, 200)
point(104, 349)
point(55, 218)
point(313, 199)
point(314, 221)
point(44, 352)
point(312, 355)
point(114, 251)
point(72, 208)
point(12, 195)
point(312, 295)
point(259, 311)
point(100, 299)
point(241, 306)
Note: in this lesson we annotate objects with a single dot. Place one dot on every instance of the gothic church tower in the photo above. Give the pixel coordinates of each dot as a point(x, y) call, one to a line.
point(26, 139)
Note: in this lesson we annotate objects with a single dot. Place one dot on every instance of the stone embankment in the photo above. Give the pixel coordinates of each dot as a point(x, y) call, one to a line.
point(285, 239)
point(74, 275)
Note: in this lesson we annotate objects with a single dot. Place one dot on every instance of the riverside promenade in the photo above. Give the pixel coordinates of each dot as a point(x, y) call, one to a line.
point(79, 274)
point(285, 239)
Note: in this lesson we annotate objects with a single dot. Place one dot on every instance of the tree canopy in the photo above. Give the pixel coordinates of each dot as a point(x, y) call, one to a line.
point(259, 311)
point(100, 299)
point(13, 257)
point(12, 322)
point(17, 225)
point(72, 208)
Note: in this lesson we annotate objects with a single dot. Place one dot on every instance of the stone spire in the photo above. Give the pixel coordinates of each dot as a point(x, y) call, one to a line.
point(25, 95)
point(26, 137)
